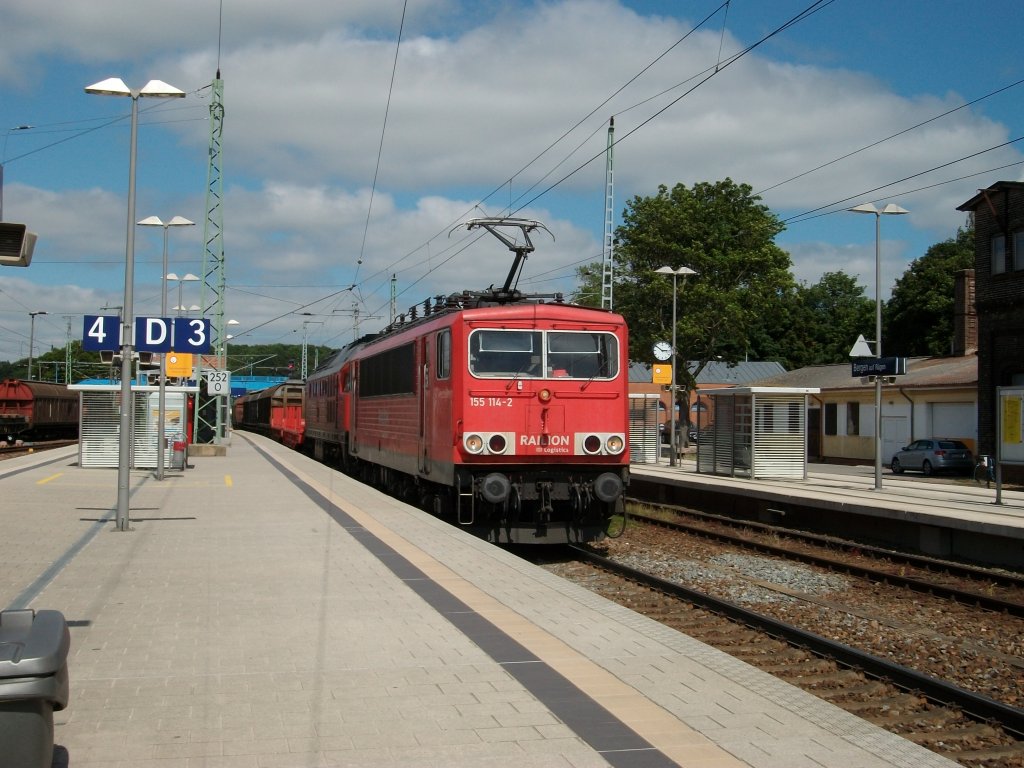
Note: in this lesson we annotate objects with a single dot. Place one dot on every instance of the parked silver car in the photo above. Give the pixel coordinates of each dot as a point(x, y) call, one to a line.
point(935, 455)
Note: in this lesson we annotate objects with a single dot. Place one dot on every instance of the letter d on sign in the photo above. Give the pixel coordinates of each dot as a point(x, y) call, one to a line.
point(156, 331)
point(153, 334)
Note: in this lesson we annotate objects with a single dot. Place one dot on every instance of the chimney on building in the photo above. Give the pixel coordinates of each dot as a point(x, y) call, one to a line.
point(965, 319)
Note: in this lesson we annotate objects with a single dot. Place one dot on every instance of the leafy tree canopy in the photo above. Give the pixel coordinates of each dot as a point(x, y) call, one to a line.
point(919, 318)
point(721, 231)
point(827, 318)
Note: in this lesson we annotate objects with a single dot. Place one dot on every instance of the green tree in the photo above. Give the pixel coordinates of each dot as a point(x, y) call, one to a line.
point(918, 319)
point(721, 231)
point(829, 316)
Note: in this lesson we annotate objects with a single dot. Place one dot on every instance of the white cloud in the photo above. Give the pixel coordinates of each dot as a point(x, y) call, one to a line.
point(305, 98)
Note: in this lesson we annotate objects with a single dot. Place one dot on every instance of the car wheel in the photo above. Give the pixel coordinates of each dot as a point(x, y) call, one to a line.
point(896, 468)
point(926, 468)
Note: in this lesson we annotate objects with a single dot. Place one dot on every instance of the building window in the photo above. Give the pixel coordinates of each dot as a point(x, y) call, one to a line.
point(998, 254)
point(1017, 257)
point(831, 419)
point(853, 418)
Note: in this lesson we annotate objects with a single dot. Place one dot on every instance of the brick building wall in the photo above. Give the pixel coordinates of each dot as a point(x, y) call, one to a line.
point(999, 298)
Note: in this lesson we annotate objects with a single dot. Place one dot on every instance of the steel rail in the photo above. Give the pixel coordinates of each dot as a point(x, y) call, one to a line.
point(954, 593)
point(973, 704)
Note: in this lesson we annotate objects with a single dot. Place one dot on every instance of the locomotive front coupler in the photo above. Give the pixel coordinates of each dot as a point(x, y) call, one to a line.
point(545, 510)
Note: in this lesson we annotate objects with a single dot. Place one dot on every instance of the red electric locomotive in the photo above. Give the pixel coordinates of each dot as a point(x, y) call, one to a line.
point(275, 411)
point(505, 412)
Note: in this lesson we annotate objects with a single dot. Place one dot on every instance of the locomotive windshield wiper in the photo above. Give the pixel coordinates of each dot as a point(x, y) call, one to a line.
point(516, 375)
point(602, 370)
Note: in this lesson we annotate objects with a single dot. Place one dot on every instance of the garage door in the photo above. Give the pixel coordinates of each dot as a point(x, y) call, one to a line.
point(959, 420)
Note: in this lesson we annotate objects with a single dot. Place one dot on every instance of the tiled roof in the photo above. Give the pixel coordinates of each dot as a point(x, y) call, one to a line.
point(931, 372)
point(716, 373)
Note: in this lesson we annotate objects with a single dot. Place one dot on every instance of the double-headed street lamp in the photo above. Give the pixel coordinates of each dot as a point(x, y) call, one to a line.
point(890, 210)
point(188, 277)
point(115, 86)
point(32, 338)
point(684, 271)
point(156, 221)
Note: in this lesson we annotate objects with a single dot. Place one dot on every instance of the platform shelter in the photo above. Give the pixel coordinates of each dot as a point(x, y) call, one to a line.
point(755, 432)
point(99, 426)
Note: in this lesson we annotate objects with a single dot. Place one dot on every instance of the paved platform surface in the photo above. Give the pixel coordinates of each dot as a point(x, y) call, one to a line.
point(949, 501)
point(266, 611)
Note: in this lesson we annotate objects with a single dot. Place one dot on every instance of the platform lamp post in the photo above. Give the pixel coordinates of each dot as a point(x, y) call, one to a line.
point(684, 272)
point(180, 309)
point(890, 210)
point(188, 277)
point(156, 221)
point(32, 338)
point(115, 86)
point(224, 361)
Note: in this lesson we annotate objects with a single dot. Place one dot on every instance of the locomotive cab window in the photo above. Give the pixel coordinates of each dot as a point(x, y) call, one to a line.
point(543, 354)
point(444, 354)
point(503, 354)
point(581, 355)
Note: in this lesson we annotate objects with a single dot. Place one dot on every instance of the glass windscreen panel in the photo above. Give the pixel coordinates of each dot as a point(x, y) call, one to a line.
point(497, 353)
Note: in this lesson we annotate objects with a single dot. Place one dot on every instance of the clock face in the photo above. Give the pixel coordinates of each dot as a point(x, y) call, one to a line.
point(663, 350)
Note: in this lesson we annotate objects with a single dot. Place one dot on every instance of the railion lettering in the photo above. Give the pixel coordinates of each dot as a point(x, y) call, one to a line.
point(543, 441)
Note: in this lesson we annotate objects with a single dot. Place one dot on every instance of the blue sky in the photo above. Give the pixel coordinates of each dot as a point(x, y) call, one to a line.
point(482, 93)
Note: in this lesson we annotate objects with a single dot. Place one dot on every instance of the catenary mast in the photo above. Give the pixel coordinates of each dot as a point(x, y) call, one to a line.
point(211, 411)
point(607, 269)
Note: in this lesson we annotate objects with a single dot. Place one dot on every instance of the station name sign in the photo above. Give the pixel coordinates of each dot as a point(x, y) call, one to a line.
point(152, 334)
point(879, 366)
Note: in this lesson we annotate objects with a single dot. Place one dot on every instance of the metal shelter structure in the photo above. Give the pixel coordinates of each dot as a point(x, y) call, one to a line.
point(756, 432)
point(99, 424)
point(644, 428)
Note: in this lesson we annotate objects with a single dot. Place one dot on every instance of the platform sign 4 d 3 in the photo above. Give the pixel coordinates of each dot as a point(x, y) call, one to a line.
point(151, 334)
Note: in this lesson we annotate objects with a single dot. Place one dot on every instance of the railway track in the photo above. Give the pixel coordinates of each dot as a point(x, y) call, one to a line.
point(963, 725)
point(991, 589)
point(13, 451)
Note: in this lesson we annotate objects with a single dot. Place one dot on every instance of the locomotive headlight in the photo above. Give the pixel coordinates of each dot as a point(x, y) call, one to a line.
point(473, 443)
point(544, 395)
point(592, 444)
point(497, 444)
point(614, 444)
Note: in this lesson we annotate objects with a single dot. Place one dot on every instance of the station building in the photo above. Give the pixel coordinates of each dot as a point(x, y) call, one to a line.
point(998, 214)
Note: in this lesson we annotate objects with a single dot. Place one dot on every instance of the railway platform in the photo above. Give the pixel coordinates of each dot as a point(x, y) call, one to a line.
point(943, 516)
point(265, 611)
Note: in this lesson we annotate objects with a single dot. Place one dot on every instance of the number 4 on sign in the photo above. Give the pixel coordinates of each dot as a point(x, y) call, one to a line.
point(101, 332)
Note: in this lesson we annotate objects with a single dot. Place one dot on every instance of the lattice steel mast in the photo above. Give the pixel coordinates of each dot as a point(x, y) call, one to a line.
point(607, 253)
point(211, 412)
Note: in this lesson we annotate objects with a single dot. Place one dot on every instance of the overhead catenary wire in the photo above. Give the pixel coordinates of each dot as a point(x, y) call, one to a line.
point(380, 146)
point(891, 136)
point(710, 73)
point(807, 214)
point(393, 266)
point(444, 257)
point(804, 14)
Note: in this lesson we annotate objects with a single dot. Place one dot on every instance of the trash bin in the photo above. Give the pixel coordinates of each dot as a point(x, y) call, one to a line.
point(178, 454)
point(33, 684)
